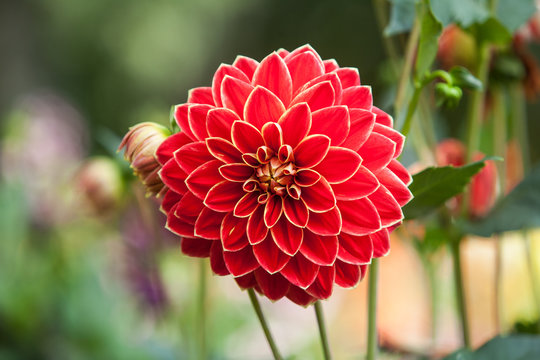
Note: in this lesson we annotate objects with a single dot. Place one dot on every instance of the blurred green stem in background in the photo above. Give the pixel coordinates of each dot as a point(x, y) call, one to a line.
point(459, 288)
point(201, 311)
point(322, 330)
point(264, 324)
point(372, 310)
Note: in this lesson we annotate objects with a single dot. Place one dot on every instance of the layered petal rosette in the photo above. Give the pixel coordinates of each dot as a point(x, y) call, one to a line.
point(285, 175)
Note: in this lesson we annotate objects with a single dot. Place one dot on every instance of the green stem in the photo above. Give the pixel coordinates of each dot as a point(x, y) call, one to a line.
point(498, 283)
point(519, 120)
point(372, 310)
point(411, 109)
point(201, 312)
point(429, 267)
point(257, 307)
point(459, 288)
point(322, 330)
point(405, 77)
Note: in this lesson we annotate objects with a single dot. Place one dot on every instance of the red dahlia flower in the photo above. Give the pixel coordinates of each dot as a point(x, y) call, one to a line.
point(285, 175)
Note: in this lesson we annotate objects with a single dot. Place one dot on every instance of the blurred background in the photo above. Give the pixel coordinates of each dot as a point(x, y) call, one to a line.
point(87, 270)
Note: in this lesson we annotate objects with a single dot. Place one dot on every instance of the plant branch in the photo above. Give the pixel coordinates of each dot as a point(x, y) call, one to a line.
point(264, 324)
point(322, 330)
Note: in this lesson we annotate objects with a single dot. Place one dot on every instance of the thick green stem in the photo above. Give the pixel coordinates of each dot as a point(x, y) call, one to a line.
point(201, 312)
point(264, 324)
point(459, 289)
point(322, 330)
point(372, 310)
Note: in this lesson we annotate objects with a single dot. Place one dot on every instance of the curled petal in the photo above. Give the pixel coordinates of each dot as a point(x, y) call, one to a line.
point(233, 233)
point(272, 73)
point(220, 74)
point(203, 178)
point(323, 285)
point(287, 236)
point(295, 124)
point(362, 123)
point(262, 106)
point(321, 250)
point(300, 271)
point(319, 197)
point(304, 67)
point(356, 250)
point(358, 97)
point(377, 152)
point(285, 153)
point(381, 243)
point(256, 228)
point(333, 122)
point(241, 262)
point(296, 211)
point(234, 94)
point(208, 224)
point(201, 95)
point(387, 207)
point(327, 223)
point(347, 275)
point(361, 184)
point(273, 286)
point(223, 150)
point(196, 247)
point(339, 165)
point(318, 96)
point(224, 196)
point(360, 217)
point(246, 137)
point(246, 64)
point(311, 150)
point(219, 122)
point(270, 257)
point(273, 210)
point(192, 155)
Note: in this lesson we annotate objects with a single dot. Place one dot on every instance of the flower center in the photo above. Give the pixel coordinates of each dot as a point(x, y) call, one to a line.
point(275, 176)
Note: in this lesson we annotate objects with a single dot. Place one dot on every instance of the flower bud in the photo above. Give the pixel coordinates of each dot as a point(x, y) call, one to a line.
point(448, 95)
point(140, 145)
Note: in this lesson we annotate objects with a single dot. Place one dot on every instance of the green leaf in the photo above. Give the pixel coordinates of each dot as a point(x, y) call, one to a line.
point(491, 31)
point(434, 185)
point(461, 12)
point(513, 14)
point(464, 79)
point(402, 13)
point(430, 30)
point(515, 347)
point(520, 209)
point(172, 120)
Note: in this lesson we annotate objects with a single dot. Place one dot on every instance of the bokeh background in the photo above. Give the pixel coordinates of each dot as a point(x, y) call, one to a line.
point(86, 270)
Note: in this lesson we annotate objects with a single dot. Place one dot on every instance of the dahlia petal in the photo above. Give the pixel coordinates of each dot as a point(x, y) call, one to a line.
point(296, 211)
point(363, 270)
point(382, 117)
point(272, 73)
point(246, 137)
point(349, 77)
point(333, 122)
point(326, 223)
point(220, 74)
point(397, 188)
point(339, 165)
point(377, 152)
point(197, 120)
point(273, 135)
point(300, 296)
point(306, 177)
point(247, 281)
point(236, 172)
point(192, 155)
point(217, 262)
point(303, 68)
point(347, 275)
point(219, 122)
point(295, 124)
point(173, 177)
point(223, 196)
point(246, 205)
point(189, 208)
point(318, 96)
point(334, 81)
point(195, 247)
point(240, 262)
point(203, 178)
point(256, 228)
point(234, 94)
point(201, 95)
point(362, 122)
point(208, 224)
point(330, 65)
point(282, 52)
point(324, 283)
point(223, 150)
point(321, 250)
point(361, 184)
point(358, 97)
point(393, 135)
point(356, 250)
point(270, 257)
point(304, 49)
point(273, 210)
point(381, 243)
point(181, 116)
point(300, 271)
point(177, 225)
point(287, 236)
point(169, 200)
point(311, 150)
point(246, 64)
point(262, 106)
point(167, 148)
point(360, 217)
point(319, 197)
point(273, 286)
point(400, 171)
point(387, 207)
point(233, 233)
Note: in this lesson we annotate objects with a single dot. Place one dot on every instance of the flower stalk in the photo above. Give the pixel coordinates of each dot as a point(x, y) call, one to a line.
point(322, 330)
point(201, 311)
point(258, 310)
point(459, 288)
point(372, 310)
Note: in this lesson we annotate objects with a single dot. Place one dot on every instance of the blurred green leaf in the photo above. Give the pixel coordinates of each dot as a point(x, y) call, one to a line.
point(172, 120)
point(461, 12)
point(515, 347)
point(402, 13)
point(520, 209)
point(434, 185)
point(513, 14)
point(490, 31)
point(464, 79)
point(430, 30)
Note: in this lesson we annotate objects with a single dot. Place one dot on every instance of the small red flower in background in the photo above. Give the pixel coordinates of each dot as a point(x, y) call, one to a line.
point(483, 184)
point(285, 175)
